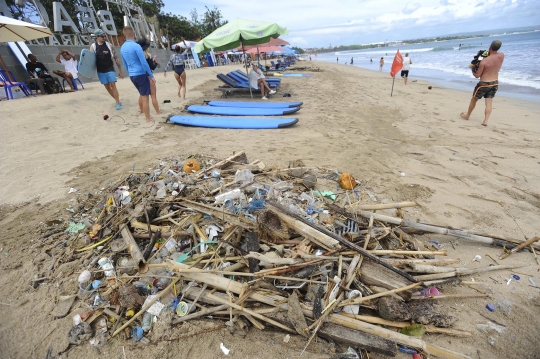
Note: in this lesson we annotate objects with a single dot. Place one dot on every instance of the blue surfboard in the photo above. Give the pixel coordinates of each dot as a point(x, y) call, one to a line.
point(240, 111)
point(233, 122)
point(87, 64)
point(257, 104)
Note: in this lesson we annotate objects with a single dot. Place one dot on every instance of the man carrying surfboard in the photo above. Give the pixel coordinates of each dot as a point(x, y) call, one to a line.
point(105, 55)
point(139, 72)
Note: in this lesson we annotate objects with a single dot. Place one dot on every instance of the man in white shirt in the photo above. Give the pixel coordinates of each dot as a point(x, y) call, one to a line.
point(256, 79)
point(69, 61)
point(406, 67)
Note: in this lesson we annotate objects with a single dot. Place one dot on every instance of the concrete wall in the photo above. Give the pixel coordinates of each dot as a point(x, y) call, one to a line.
point(47, 55)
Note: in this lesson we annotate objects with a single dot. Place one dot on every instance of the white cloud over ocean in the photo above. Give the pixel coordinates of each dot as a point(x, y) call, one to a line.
point(316, 23)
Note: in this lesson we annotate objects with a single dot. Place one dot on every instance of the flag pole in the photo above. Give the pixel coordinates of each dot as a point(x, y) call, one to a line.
point(244, 57)
point(393, 80)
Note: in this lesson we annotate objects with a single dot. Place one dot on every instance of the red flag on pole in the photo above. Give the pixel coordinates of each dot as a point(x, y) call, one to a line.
point(397, 65)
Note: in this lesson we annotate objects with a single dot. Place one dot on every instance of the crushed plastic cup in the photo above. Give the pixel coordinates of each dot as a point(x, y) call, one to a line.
point(85, 276)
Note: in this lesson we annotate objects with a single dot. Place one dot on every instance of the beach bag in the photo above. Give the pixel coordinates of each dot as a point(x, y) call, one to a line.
point(50, 85)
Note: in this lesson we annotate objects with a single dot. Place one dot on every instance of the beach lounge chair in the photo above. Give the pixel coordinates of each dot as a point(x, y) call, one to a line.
point(233, 87)
point(244, 77)
point(7, 85)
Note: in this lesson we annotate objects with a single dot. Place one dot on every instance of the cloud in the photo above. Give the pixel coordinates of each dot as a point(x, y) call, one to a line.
point(411, 7)
point(345, 22)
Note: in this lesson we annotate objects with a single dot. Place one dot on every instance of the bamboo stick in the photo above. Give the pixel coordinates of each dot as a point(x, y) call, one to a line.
point(201, 313)
point(521, 246)
point(398, 337)
point(146, 307)
point(386, 251)
point(144, 226)
point(450, 296)
point(429, 328)
point(354, 207)
point(433, 262)
point(466, 272)
point(422, 268)
point(369, 297)
point(250, 312)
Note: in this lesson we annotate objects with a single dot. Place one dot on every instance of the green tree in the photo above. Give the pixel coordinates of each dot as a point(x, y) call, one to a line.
point(175, 27)
point(211, 20)
point(300, 51)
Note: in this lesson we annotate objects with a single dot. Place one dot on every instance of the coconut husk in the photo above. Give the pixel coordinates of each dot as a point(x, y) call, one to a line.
point(272, 228)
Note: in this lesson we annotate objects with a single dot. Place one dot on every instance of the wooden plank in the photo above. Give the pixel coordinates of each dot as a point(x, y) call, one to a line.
point(356, 338)
point(252, 245)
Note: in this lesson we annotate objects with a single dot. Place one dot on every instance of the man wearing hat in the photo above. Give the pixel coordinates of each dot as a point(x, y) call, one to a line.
point(105, 55)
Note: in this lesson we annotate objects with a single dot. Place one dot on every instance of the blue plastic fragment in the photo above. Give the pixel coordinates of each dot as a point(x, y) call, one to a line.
point(490, 307)
point(434, 242)
point(254, 205)
point(137, 333)
point(406, 350)
point(310, 210)
point(516, 277)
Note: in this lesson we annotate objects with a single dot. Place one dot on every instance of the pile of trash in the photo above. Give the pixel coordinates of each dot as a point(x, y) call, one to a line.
point(306, 251)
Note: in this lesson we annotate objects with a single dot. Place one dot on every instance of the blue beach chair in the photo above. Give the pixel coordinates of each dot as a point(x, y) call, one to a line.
point(8, 84)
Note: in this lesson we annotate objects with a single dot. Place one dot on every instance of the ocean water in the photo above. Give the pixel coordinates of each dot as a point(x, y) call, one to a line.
point(446, 64)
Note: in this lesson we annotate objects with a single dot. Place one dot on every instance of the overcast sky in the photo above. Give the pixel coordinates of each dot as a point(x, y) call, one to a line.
point(318, 23)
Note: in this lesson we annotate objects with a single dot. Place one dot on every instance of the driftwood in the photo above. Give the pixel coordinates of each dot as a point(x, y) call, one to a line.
point(422, 227)
point(281, 302)
point(374, 207)
point(422, 268)
point(239, 157)
point(373, 269)
point(134, 250)
point(359, 339)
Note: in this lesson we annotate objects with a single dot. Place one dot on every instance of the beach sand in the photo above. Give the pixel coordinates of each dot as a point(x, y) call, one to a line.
point(412, 146)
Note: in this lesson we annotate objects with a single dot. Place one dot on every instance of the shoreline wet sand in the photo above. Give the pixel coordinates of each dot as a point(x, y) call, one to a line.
point(412, 146)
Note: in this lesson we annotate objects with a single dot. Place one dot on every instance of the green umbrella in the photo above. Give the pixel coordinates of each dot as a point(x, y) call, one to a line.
point(240, 32)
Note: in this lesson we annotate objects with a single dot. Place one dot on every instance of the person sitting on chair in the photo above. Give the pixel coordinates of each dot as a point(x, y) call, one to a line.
point(69, 61)
point(40, 75)
point(256, 79)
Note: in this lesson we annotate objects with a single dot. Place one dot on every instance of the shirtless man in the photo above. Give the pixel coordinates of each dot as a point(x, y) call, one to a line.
point(488, 72)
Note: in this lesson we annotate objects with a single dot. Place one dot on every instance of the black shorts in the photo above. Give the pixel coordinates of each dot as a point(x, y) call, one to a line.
point(179, 69)
point(404, 73)
point(486, 89)
point(142, 83)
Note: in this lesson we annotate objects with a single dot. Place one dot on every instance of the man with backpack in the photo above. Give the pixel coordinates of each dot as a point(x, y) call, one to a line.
point(105, 55)
point(41, 76)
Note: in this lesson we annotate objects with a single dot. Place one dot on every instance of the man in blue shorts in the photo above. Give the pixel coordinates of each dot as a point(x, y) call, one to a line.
point(105, 55)
point(138, 70)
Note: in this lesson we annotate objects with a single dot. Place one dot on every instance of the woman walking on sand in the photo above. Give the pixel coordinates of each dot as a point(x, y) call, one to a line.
point(152, 64)
point(177, 60)
point(381, 63)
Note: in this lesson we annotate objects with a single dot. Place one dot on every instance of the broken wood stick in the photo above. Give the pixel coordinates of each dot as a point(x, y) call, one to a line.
point(466, 272)
point(252, 313)
point(220, 214)
point(134, 250)
point(373, 207)
point(390, 323)
point(397, 252)
point(364, 299)
point(422, 268)
point(153, 227)
point(450, 296)
point(521, 246)
point(373, 269)
point(397, 337)
point(238, 157)
point(201, 313)
point(281, 302)
point(357, 339)
point(432, 262)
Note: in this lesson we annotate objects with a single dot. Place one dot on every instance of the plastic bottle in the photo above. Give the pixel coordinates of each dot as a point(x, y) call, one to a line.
point(147, 321)
point(234, 194)
point(107, 266)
